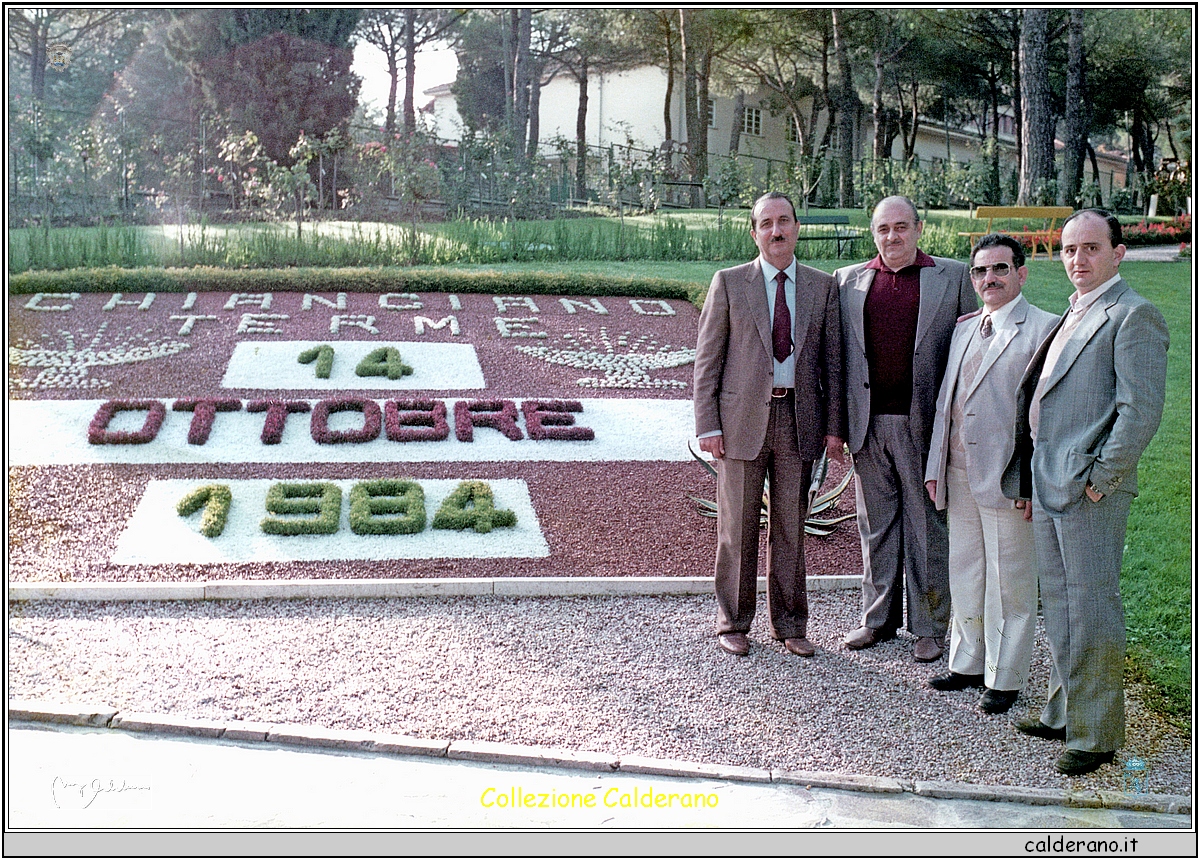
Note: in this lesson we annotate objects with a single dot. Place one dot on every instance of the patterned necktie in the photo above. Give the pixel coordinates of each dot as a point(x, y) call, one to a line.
point(781, 328)
point(985, 328)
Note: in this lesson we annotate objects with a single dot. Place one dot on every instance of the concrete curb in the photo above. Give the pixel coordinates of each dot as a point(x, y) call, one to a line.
point(491, 752)
point(300, 589)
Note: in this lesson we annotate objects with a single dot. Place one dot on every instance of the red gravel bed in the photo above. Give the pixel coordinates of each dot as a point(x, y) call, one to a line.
point(599, 519)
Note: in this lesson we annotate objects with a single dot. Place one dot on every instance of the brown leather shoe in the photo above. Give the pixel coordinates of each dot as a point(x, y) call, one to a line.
point(927, 649)
point(735, 643)
point(866, 637)
point(801, 647)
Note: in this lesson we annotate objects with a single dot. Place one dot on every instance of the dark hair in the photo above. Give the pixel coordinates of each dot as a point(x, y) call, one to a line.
point(999, 240)
point(1114, 226)
point(912, 206)
point(770, 195)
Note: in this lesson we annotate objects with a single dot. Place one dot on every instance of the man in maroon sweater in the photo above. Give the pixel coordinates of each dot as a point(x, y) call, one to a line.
point(898, 314)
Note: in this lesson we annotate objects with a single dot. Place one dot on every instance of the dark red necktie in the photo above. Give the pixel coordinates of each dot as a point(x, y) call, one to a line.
point(781, 328)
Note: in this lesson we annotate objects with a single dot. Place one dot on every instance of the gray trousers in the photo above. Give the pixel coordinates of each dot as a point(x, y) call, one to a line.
point(739, 500)
point(1079, 555)
point(905, 541)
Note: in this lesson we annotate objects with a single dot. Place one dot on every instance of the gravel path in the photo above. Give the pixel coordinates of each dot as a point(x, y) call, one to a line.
point(616, 675)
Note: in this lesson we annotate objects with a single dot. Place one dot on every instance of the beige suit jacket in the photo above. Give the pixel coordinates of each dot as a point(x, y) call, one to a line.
point(990, 404)
point(734, 367)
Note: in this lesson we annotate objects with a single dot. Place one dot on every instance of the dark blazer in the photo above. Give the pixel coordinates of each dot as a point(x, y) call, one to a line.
point(946, 294)
point(734, 364)
point(1101, 405)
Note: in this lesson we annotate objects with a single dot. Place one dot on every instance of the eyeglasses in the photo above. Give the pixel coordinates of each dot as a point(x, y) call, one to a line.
point(978, 273)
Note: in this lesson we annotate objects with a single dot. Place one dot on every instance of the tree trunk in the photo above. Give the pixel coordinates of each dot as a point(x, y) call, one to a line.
point(1018, 116)
point(581, 136)
point(703, 71)
point(1037, 129)
point(670, 88)
point(410, 71)
point(690, 108)
point(394, 72)
point(877, 111)
point(521, 79)
point(37, 60)
point(1077, 114)
point(535, 107)
point(735, 134)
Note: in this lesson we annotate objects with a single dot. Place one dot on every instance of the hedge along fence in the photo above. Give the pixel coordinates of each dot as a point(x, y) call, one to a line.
point(364, 280)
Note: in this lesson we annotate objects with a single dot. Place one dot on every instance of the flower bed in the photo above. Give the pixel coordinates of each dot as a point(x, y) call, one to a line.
point(169, 420)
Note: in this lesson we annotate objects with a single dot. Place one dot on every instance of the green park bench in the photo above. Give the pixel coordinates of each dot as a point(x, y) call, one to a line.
point(841, 234)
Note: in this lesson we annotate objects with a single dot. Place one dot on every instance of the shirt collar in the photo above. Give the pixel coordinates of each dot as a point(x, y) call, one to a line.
point(1001, 314)
point(770, 271)
point(923, 261)
point(1080, 304)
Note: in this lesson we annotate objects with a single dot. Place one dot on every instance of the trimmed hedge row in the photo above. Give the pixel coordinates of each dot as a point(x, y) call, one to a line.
point(363, 280)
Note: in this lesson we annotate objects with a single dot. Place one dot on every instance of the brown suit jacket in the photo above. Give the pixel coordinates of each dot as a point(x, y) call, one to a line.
point(734, 365)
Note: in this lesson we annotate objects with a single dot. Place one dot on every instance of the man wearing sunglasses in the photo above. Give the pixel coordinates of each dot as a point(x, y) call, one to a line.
point(1089, 403)
point(993, 579)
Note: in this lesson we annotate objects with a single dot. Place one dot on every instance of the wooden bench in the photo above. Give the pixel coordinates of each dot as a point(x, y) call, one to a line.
point(842, 232)
point(1050, 216)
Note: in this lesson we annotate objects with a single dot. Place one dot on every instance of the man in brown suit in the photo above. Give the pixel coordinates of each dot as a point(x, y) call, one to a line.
point(769, 399)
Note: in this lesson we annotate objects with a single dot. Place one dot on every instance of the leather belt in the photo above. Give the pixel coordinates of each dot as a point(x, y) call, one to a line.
point(781, 392)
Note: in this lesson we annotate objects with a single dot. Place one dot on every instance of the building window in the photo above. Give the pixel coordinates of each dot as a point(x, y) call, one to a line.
point(712, 119)
point(752, 121)
point(793, 134)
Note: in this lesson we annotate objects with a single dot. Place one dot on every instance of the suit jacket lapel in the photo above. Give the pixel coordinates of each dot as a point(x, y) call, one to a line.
point(755, 293)
point(804, 310)
point(1004, 338)
point(1087, 329)
point(934, 284)
point(858, 303)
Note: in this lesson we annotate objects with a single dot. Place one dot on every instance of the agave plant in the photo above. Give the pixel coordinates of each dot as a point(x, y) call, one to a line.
point(818, 522)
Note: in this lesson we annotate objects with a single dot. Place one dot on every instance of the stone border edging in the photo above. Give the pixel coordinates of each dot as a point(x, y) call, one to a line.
point(295, 589)
point(491, 752)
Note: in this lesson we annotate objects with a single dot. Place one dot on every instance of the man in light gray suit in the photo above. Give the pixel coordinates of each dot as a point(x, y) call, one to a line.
point(1089, 403)
point(993, 579)
point(898, 313)
point(768, 400)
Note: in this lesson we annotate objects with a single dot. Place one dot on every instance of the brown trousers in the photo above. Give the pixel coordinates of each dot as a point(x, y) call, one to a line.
point(739, 500)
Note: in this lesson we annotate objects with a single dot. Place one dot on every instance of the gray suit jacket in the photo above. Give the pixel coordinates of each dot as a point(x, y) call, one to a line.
point(1101, 405)
point(946, 294)
point(990, 405)
point(734, 365)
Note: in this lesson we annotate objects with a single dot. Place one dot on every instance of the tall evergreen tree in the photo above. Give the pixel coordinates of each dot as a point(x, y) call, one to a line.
point(272, 71)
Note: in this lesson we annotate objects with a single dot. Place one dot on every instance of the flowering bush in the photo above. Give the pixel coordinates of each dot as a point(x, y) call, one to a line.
point(372, 421)
point(421, 420)
point(277, 413)
point(1158, 233)
point(99, 434)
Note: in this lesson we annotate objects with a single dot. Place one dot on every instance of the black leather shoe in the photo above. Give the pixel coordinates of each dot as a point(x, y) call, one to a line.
point(1038, 729)
point(735, 643)
point(948, 681)
point(1079, 762)
point(997, 701)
